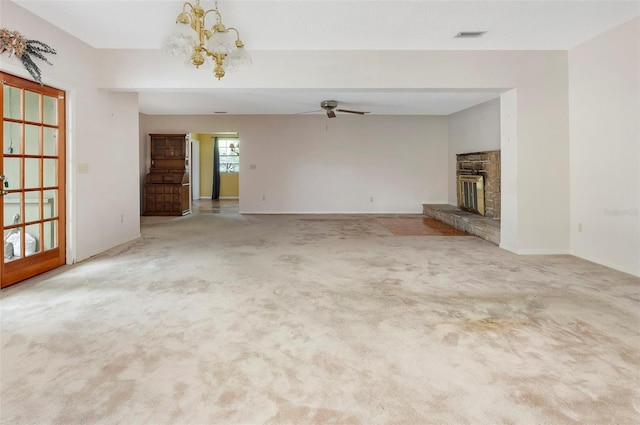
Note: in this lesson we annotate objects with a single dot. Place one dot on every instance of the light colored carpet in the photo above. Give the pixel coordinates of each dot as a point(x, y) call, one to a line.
point(220, 318)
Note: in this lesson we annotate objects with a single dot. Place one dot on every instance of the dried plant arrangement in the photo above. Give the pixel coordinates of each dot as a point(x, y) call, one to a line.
point(14, 43)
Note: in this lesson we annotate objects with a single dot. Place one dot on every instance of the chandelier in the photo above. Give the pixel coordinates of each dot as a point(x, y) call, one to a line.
point(219, 46)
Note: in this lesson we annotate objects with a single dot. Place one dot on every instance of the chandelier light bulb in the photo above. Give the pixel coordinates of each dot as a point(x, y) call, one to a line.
point(221, 42)
point(181, 41)
point(240, 57)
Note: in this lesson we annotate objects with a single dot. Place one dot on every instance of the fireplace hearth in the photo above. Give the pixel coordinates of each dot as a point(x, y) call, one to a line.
point(478, 179)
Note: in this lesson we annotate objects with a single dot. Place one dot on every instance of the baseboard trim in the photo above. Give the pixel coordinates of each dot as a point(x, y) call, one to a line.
point(509, 248)
point(332, 212)
point(543, 252)
point(606, 263)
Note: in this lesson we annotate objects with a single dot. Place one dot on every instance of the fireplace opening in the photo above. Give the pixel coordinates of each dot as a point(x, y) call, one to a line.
point(482, 167)
point(471, 193)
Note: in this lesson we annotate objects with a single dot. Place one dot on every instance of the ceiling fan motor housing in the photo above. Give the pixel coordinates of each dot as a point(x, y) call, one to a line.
point(329, 104)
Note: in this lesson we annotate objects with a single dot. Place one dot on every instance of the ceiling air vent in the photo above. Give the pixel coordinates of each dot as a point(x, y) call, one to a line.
point(470, 34)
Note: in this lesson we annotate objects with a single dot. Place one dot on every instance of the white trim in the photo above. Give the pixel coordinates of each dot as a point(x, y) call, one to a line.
point(507, 247)
point(18, 71)
point(72, 203)
point(606, 263)
point(594, 260)
point(208, 198)
point(543, 252)
point(362, 213)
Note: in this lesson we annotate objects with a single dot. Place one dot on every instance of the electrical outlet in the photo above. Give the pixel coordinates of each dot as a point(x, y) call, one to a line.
point(83, 168)
point(579, 227)
point(371, 199)
point(121, 218)
point(264, 197)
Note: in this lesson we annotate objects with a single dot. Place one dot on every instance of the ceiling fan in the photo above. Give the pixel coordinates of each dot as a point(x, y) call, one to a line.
point(330, 106)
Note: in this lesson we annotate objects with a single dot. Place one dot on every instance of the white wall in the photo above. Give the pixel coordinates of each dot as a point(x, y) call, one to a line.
point(540, 110)
point(312, 164)
point(509, 230)
point(102, 132)
point(604, 106)
point(475, 129)
point(540, 78)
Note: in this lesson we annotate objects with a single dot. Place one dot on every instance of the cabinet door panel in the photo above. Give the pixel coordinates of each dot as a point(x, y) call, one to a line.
point(169, 169)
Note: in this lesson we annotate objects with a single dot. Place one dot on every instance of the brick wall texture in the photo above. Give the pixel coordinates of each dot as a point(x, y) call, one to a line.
point(486, 164)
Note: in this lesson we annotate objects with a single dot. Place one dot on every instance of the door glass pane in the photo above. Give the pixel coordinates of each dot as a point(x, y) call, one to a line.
point(32, 239)
point(11, 245)
point(12, 209)
point(50, 105)
point(50, 236)
point(12, 102)
point(31, 106)
point(11, 143)
point(31, 140)
point(50, 203)
point(14, 237)
point(12, 173)
point(31, 173)
point(50, 169)
point(49, 141)
point(31, 206)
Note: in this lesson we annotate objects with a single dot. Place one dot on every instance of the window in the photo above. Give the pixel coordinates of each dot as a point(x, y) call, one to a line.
point(229, 150)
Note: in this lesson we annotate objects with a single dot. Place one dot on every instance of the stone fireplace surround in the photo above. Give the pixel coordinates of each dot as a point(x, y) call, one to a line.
point(486, 164)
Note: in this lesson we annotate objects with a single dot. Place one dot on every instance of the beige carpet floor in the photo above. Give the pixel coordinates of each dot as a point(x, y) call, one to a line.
point(219, 318)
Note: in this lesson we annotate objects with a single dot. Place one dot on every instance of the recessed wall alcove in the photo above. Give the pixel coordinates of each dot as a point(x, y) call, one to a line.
point(485, 166)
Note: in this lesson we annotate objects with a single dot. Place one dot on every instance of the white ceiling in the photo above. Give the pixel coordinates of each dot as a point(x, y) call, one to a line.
point(339, 25)
point(270, 101)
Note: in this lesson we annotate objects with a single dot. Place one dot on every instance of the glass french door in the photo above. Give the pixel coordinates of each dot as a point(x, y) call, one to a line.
point(32, 178)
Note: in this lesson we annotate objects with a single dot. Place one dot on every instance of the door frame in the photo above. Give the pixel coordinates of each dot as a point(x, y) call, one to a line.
point(50, 259)
point(194, 175)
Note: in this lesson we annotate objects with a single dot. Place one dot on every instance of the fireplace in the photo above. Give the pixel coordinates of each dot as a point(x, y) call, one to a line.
point(478, 189)
point(478, 180)
point(471, 193)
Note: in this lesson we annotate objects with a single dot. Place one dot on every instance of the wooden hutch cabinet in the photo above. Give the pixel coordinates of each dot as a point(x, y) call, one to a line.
point(166, 187)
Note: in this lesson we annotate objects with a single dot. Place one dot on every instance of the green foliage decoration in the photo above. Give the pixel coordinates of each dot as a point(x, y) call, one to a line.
point(14, 43)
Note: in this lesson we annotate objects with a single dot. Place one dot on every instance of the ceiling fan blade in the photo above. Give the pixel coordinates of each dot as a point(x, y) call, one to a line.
point(351, 112)
point(331, 114)
point(309, 112)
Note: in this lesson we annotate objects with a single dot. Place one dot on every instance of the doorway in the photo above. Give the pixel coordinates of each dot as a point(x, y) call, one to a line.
point(228, 148)
point(32, 173)
point(228, 166)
